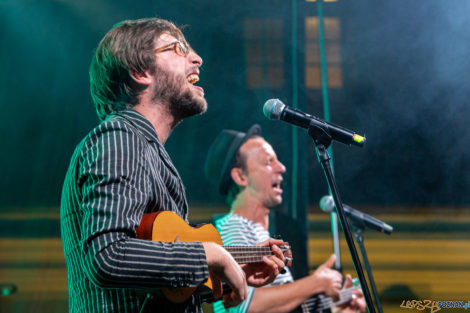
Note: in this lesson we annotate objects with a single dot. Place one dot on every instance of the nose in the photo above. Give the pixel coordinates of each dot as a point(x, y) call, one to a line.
point(282, 168)
point(194, 58)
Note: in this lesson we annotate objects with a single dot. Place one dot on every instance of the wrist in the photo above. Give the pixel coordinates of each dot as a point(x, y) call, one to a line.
point(318, 283)
point(214, 255)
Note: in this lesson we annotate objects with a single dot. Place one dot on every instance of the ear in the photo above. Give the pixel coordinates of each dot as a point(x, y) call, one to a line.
point(141, 78)
point(239, 177)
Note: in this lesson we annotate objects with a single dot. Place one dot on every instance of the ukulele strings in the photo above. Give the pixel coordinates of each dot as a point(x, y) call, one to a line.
point(326, 303)
point(247, 254)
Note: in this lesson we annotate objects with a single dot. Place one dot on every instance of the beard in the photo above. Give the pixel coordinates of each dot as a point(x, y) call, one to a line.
point(172, 90)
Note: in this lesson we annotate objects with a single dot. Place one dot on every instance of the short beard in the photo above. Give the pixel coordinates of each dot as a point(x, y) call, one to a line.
point(170, 90)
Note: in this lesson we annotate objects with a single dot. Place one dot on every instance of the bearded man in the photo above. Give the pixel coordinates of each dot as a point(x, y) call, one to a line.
point(142, 83)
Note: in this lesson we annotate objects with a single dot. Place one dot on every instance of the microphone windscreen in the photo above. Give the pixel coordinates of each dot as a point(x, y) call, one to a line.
point(327, 204)
point(272, 109)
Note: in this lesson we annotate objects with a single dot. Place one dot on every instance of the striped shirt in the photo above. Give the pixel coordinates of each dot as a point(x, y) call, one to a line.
point(237, 230)
point(118, 172)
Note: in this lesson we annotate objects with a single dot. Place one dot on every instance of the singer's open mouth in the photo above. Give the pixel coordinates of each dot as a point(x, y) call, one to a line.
point(193, 78)
point(277, 187)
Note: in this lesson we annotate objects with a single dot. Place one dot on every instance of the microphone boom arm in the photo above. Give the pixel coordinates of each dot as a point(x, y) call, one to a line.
point(358, 218)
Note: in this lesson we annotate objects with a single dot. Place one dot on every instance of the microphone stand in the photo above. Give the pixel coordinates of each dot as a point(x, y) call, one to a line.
point(322, 140)
point(358, 231)
point(335, 236)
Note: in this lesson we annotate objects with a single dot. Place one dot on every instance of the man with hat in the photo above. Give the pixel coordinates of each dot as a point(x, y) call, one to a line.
point(245, 168)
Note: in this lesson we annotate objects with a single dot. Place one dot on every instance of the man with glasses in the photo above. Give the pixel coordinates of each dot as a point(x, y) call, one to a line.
point(142, 78)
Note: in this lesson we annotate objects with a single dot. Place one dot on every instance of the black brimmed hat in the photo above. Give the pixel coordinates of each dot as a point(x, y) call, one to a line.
point(221, 156)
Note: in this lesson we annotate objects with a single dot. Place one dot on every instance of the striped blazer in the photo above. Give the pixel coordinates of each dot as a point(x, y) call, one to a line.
point(118, 172)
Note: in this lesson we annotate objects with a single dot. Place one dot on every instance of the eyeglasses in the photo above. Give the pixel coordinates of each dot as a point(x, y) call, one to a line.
point(177, 46)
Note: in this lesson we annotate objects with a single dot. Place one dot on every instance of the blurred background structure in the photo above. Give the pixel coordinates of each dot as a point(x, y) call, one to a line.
point(396, 71)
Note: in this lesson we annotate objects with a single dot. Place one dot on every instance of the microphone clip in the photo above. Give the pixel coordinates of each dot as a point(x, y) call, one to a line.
point(319, 135)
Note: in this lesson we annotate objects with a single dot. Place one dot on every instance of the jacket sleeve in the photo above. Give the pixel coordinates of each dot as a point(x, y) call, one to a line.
point(114, 191)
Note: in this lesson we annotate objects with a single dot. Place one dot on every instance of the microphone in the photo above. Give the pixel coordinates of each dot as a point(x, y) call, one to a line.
point(327, 204)
point(274, 109)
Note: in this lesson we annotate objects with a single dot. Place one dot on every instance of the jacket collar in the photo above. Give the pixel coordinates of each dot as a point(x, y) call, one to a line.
point(141, 123)
point(146, 128)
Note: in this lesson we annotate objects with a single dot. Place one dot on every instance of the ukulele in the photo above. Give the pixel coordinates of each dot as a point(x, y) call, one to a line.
point(167, 226)
point(318, 303)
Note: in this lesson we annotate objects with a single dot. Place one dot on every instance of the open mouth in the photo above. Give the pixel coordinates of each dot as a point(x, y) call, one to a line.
point(277, 187)
point(192, 79)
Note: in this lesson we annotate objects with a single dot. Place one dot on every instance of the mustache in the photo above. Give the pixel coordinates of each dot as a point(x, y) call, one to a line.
point(193, 70)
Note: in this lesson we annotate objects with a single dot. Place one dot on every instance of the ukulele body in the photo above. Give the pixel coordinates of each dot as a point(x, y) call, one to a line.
point(167, 226)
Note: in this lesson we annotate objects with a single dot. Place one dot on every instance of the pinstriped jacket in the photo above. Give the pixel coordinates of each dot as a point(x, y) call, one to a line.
point(118, 172)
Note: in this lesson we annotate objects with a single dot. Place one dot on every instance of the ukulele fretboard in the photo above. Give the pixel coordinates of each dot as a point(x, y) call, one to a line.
point(251, 254)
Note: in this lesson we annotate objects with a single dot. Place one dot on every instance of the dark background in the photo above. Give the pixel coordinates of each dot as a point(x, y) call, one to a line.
point(405, 86)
